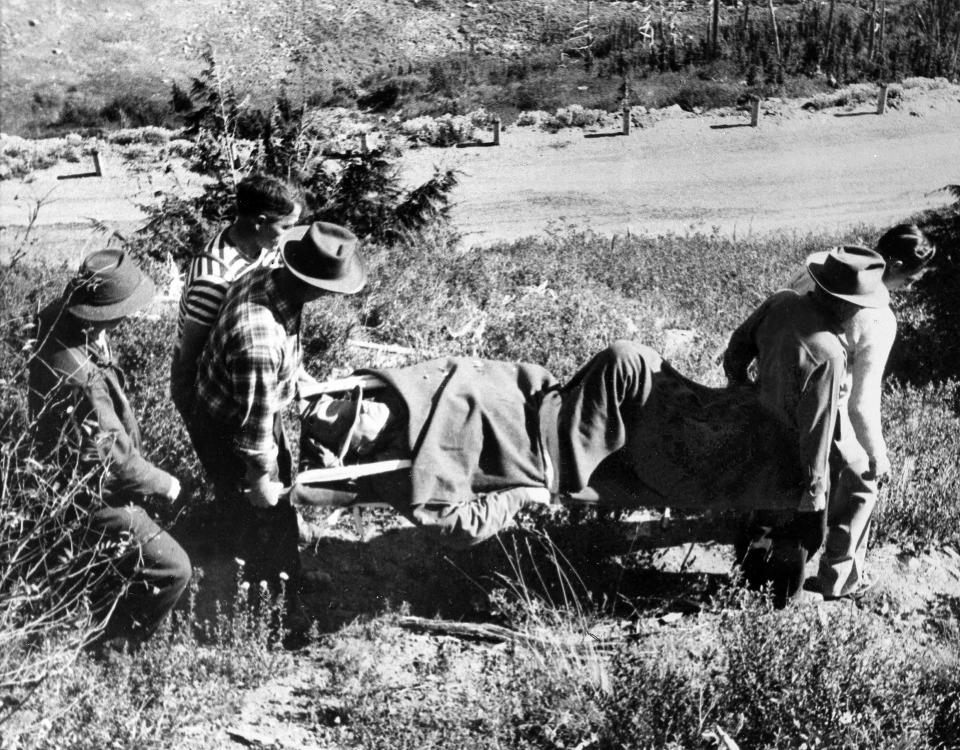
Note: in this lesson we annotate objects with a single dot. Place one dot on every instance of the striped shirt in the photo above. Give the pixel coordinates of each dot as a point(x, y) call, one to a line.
point(248, 370)
point(209, 275)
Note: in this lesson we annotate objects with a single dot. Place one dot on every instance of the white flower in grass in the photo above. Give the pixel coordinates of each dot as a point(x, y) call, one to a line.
point(245, 586)
point(240, 561)
point(284, 576)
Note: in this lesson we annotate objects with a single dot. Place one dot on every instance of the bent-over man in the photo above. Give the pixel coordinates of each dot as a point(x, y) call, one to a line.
point(801, 364)
point(248, 374)
point(85, 423)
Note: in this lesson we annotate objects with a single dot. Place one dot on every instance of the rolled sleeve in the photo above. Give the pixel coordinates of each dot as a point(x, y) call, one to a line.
point(257, 393)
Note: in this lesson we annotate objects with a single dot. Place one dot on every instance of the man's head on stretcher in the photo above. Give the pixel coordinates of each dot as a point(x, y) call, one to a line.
point(351, 426)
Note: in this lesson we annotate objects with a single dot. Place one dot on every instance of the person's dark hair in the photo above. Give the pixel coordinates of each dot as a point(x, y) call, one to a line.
point(261, 194)
point(908, 245)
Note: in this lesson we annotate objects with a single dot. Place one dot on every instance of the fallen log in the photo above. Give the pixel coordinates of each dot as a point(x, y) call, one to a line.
point(473, 631)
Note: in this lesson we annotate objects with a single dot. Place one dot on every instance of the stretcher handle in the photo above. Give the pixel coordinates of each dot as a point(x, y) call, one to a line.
point(341, 473)
point(339, 385)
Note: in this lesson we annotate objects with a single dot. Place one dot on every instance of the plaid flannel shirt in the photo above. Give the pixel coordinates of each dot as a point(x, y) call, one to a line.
point(248, 370)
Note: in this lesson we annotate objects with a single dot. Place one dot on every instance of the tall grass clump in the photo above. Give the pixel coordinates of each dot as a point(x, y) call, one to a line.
point(572, 677)
point(173, 692)
point(53, 692)
point(46, 575)
point(778, 679)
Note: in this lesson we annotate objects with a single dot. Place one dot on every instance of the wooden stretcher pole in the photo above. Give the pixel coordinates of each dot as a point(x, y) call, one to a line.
point(340, 473)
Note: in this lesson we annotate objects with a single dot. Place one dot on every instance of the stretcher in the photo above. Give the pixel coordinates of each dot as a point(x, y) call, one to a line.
point(334, 488)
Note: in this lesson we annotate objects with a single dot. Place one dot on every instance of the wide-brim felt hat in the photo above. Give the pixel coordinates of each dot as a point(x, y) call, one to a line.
point(850, 273)
point(325, 256)
point(108, 286)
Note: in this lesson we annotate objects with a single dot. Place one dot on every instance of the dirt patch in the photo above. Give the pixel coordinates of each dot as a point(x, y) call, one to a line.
point(668, 587)
point(797, 171)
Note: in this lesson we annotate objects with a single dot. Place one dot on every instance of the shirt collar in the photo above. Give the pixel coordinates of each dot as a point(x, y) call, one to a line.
point(287, 311)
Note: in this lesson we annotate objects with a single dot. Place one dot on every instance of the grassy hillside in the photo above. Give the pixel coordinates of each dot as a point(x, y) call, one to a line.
point(89, 63)
point(613, 650)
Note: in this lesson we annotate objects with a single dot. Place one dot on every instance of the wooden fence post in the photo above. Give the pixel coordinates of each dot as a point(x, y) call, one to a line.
point(882, 99)
point(496, 131)
point(754, 111)
point(626, 121)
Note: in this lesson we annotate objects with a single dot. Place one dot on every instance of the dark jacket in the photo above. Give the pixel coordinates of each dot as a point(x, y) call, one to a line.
point(83, 419)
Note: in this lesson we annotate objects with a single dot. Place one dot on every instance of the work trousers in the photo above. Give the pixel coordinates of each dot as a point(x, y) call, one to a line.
point(853, 498)
point(265, 538)
point(148, 576)
point(843, 530)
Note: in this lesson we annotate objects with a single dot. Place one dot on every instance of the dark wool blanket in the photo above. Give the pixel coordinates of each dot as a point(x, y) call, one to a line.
point(472, 426)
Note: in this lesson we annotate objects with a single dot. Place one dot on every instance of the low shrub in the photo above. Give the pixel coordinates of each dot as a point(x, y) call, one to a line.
point(539, 94)
point(445, 130)
point(136, 111)
point(172, 692)
point(537, 119)
point(849, 96)
point(19, 157)
point(576, 116)
point(764, 678)
point(79, 111)
point(151, 135)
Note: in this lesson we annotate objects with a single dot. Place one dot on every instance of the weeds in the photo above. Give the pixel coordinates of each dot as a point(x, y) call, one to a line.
point(768, 679)
point(176, 688)
point(765, 678)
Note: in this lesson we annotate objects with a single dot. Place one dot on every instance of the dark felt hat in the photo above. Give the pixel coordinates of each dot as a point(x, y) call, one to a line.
point(325, 256)
point(108, 286)
point(850, 273)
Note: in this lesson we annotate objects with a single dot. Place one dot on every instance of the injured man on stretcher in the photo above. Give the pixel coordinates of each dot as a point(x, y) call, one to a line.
point(476, 440)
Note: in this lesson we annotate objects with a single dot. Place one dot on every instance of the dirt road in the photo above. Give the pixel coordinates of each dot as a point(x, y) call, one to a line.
point(797, 171)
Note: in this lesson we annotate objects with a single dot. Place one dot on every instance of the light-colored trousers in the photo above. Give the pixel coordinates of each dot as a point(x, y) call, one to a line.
point(852, 499)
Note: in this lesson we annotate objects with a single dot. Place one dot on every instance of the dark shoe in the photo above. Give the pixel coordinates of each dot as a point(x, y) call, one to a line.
point(787, 564)
point(297, 625)
point(755, 568)
point(860, 591)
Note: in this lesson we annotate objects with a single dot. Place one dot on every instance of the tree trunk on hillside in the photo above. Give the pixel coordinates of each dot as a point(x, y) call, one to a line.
point(956, 50)
point(873, 29)
point(883, 26)
point(776, 35)
point(715, 29)
point(829, 33)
